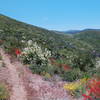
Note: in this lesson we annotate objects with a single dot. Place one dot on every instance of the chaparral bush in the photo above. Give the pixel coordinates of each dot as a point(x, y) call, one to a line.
point(73, 75)
point(36, 57)
point(84, 62)
point(92, 89)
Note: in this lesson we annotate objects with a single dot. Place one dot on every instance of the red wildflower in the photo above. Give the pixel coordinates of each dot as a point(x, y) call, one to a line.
point(94, 87)
point(17, 52)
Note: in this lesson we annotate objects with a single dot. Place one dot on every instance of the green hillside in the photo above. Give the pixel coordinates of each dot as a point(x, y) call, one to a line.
point(92, 37)
point(49, 39)
point(64, 49)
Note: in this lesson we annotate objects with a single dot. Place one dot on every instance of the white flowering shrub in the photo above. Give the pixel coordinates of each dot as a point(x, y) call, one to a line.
point(33, 50)
point(34, 55)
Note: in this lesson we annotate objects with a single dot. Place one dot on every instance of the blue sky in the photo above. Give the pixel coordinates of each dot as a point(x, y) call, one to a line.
point(54, 14)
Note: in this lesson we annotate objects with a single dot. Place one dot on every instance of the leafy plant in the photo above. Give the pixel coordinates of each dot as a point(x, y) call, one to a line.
point(84, 62)
point(73, 75)
point(76, 88)
point(4, 94)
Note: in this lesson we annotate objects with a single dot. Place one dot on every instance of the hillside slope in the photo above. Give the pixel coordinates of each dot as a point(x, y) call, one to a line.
point(13, 33)
point(56, 57)
point(91, 37)
point(18, 30)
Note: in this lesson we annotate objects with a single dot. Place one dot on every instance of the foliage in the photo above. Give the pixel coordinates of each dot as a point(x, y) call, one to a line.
point(71, 86)
point(92, 89)
point(76, 88)
point(47, 76)
point(73, 75)
point(36, 57)
point(38, 66)
point(91, 37)
point(84, 62)
point(4, 94)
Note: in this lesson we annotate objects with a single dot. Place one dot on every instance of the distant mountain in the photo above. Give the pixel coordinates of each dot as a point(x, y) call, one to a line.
point(57, 32)
point(91, 30)
point(78, 31)
point(72, 31)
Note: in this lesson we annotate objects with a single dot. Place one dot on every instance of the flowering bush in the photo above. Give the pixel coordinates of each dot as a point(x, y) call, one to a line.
point(37, 57)
point(71, 86)
point(93, 89)
point(76, 88)
point(75, 85)
point(33, 50)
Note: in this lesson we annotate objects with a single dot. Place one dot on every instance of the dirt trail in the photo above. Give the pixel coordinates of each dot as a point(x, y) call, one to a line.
point(28, 86)
point(18, 89)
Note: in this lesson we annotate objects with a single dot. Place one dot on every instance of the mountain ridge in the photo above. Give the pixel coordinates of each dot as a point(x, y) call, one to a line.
point(76, 31)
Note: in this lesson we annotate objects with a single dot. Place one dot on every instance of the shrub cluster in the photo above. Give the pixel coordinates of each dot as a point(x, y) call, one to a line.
point(41, 60)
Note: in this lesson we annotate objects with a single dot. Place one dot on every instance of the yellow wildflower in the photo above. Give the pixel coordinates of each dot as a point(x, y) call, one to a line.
point(72, 86)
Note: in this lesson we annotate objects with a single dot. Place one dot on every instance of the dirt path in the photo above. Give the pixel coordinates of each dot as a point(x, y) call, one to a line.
point(18, 89)
point(28, 86)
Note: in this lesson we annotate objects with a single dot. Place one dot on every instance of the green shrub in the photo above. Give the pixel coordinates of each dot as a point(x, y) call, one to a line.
point(4, 94)
point(84, 62)
point(38, 66)
point(72, 75)
point(29, 58)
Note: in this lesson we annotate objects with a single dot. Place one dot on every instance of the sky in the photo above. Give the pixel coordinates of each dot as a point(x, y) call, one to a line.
point(58, 15)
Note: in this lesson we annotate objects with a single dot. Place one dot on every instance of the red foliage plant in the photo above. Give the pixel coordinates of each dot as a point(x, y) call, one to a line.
point(93, 89)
